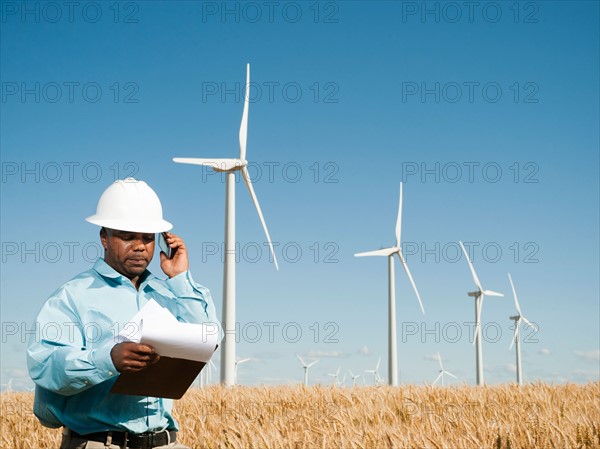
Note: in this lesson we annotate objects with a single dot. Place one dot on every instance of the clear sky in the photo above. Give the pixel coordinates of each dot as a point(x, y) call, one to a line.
point(487, 111)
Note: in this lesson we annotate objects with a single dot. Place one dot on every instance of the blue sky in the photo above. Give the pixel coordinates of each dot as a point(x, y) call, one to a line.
point(490, 117)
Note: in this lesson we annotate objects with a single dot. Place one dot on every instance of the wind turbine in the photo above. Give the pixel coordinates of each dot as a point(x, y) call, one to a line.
point(8, 385)
point(442, 372)
point(516, 339)
point(390, 252)
point(354, 378)
point(478, 295)
point(239, 362)
point(375, 372)
point(306, 367)
point(335, 376)
point(205, 373)
point(230, 166)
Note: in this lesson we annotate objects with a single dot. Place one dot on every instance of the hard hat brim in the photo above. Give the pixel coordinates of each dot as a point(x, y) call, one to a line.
point(146, 226)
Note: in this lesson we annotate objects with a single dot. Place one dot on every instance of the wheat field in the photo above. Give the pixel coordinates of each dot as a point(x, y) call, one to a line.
point(502, 417)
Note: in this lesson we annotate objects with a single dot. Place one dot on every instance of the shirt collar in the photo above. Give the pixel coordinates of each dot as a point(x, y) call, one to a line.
point(105, 270)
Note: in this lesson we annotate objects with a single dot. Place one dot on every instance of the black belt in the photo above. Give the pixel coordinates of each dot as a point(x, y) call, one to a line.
point(145, 440)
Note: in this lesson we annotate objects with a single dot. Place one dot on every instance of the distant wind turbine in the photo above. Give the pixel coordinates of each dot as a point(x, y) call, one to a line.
point(478, 295)
point(306, 367)
point(375, 372)
point(354, 378)
point(442, 371)
point(335, 376)
point(8, 385)
point(237, 363)
point(230, 166)
point(516, 338)
point(205, 374)
point(211, 367)
point(390, 252)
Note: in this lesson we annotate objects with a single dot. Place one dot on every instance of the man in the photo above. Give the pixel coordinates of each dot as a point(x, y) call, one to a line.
point(73, 358)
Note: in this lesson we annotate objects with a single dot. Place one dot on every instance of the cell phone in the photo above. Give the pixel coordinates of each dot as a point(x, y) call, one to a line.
point(163, 246)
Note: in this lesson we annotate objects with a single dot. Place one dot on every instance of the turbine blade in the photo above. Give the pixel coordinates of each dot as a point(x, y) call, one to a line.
point(411, 280)
point(218, 164)
point(300, 358)
point(475, 278)
point(492, 293)
point(244, 124)
point(450, 374)
point(436, 379)
point(378, 362)
point(399, 219)
point(514, 294)
point(529, 323)
point(260, 215)
point(440, 360)
point(377, 252)
point(312, 363)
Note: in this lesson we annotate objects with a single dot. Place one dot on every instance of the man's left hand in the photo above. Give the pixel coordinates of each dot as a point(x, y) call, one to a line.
point(179, 262)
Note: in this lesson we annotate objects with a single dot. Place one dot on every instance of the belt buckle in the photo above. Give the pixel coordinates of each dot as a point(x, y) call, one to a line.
point(147, 440)
point(150, 441)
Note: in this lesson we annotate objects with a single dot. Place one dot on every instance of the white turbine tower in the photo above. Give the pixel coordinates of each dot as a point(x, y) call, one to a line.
point(354, 378)
point(390, 252)
point(335, 376)
point(375, 372)
point(516, 338)
point(306, 367)
point(442, 372)
point(230, 166)
point(237, 363)
point(478, 295)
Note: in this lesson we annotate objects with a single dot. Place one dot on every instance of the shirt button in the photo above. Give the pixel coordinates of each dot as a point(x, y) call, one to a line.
point(110, 373)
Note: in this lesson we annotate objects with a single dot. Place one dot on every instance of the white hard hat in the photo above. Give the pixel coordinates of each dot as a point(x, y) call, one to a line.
point(130, 205)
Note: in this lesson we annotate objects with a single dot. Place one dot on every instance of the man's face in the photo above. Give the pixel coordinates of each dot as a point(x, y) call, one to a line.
point(129, 253)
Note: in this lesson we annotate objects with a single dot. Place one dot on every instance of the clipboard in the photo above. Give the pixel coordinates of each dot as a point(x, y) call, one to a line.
point(167, 378)
point(184, 349)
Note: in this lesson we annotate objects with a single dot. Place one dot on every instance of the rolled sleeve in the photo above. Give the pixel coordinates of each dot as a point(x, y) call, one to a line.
point(183, 286)
point(102, 359)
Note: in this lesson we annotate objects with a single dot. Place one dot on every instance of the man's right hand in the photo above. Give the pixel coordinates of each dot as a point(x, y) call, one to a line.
point(129, 357)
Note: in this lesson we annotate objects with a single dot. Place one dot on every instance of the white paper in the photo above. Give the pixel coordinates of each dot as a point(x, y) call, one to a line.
point(132, 330)
point(156, 326)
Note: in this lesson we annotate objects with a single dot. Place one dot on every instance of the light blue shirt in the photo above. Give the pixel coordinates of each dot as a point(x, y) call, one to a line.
point(69, 355)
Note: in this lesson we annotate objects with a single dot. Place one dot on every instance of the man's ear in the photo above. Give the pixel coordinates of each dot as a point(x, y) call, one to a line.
point(104, 238)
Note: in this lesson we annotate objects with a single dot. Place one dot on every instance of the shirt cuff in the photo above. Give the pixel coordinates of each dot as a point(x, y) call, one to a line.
point(103, 362)
point(182, 285)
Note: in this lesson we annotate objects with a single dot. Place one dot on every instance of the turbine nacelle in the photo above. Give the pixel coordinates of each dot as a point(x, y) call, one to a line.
point(479, 294)
point(519, 317)
point(396, 250)
point(230, 165)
